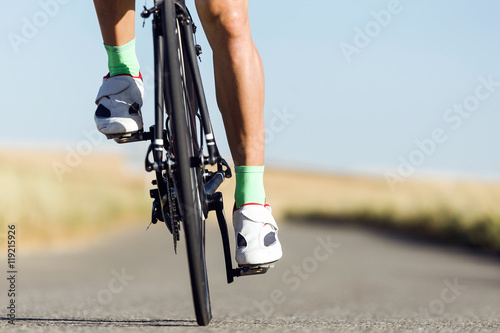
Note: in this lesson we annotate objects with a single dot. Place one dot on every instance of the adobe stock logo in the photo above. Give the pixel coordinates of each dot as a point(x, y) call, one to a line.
point(297, 274)
point(105, 296)
point(453, 119)
point(32, 25)
point(75, 155)
point(449, 294)
point(363, 36)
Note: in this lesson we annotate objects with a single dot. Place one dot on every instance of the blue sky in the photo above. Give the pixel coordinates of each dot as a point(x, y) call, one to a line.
point(408, 99)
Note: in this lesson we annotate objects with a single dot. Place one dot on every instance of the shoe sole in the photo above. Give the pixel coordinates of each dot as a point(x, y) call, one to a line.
point(251, 270)
point(263, 265)
point(126, 137)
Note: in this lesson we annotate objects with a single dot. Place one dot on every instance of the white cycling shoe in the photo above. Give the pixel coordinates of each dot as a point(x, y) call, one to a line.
point(256, 235)
point(119, 103)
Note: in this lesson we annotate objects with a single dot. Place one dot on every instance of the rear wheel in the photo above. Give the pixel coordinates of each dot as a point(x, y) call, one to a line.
point(188, 195)
point(187, 175)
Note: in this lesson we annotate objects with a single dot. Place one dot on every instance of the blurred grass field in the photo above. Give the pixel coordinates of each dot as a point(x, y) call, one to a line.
point(85, 203)
point(453, 211)
point(100, 196)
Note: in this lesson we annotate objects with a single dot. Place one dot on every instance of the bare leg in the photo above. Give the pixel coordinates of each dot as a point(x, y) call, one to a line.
point(118, 110)
point(239, 76)
point(117, 20)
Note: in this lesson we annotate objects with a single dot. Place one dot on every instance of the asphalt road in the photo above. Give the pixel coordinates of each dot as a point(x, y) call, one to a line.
point(331, 278)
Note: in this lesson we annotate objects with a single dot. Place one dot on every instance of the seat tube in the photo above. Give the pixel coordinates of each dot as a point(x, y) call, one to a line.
point(159, 56)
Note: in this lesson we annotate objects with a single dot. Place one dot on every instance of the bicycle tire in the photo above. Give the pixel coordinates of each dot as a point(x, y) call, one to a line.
point(187, 178)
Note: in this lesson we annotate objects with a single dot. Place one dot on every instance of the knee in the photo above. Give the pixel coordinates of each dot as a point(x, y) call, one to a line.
point(227, 19)
point(233, 23)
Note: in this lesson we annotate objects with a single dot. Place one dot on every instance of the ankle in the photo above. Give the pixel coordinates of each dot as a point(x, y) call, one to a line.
point(249, 185)
point(122, 59)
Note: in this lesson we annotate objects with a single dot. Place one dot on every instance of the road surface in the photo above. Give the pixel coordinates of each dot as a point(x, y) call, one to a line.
point(334, 278)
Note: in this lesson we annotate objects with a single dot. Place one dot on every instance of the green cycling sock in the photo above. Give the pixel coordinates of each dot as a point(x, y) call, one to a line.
point(249, 185)
point(122, 59)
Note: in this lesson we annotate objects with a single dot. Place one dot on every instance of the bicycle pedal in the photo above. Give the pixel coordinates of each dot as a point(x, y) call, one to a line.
point(117, 136)
point(127, 137)
point(252, 269)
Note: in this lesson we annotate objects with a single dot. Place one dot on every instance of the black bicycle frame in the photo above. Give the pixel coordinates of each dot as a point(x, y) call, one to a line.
point(168, 90)
point(171, 20)
point(165, 38)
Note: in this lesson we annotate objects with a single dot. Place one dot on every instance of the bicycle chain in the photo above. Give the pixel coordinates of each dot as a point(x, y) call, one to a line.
point(174, 215)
